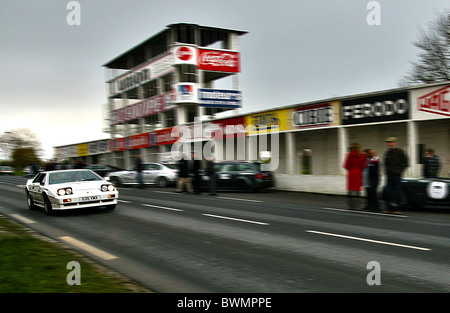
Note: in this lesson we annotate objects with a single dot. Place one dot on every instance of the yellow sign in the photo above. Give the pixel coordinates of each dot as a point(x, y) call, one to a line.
point(279, 120)
point(83, 149)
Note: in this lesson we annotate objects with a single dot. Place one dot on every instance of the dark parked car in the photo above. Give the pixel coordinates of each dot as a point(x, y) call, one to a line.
point(241, 176)
point(103, 170)
point(426, 191)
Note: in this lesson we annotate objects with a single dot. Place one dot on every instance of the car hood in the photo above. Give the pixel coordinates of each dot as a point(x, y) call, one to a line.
point(82, 185)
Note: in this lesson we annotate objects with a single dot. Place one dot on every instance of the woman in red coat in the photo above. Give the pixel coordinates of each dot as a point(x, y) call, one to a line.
point(355, 162)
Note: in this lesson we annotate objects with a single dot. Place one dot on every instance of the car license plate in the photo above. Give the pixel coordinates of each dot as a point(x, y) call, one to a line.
point(90, 198)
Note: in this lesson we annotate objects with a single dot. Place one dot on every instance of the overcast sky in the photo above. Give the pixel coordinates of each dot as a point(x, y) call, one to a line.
point(52, 80)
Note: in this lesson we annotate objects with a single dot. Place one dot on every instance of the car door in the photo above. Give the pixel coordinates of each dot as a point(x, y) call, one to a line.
point(37, 186)
point(225, 176)
point(150, 173)
point(130, 176)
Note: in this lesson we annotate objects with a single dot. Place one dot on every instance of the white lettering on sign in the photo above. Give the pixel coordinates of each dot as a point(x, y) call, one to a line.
point(437, 102)
point(384, 108)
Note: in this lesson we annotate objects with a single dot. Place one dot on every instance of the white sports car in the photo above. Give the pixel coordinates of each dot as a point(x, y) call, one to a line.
point(70, 189)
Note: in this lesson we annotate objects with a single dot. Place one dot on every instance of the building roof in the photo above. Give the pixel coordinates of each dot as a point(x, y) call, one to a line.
point(159, 43)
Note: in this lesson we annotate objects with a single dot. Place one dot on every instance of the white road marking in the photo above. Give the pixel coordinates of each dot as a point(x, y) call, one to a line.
point(88, 248)
point(239, 199)
point(123, 201)
point(235, 219)
point(368, 240)
point(365, 212)
point(22, 219)
point(162, 207)
point(169, 192)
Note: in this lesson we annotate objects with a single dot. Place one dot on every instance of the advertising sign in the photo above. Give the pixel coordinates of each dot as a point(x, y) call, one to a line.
point(138, 141)
point(374, 109)
point(156, 104)
point(215, 98)
point(316, 115)
point(163, 136)
point(435, 102)
point(186, 92)
point(141, 75)
point(280, 120)
point(218, 61)
point(185, 55)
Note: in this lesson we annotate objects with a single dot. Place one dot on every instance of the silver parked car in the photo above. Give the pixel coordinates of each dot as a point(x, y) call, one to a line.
point(159, 174)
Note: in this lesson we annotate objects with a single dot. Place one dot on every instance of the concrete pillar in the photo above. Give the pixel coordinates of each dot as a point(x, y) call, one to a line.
point(291, 155)
point(342, 147)
point(412, 141)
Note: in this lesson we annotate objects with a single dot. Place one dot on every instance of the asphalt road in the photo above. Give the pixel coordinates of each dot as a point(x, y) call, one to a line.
point(274, 242)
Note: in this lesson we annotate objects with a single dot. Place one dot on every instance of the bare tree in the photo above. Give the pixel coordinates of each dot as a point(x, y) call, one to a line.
point(434, 59)
point(20, 138)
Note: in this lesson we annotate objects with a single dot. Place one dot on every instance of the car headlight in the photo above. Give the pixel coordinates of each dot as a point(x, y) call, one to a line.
point(64, 191)
point(107, 188)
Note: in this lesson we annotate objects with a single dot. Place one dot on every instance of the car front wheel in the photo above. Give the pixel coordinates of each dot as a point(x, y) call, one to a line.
point(48, 206)
point(30, 202)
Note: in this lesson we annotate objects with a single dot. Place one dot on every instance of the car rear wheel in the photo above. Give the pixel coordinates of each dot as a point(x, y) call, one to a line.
point(163, 182)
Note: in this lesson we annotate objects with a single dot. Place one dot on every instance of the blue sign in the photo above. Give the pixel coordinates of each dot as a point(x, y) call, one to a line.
point(216, 98)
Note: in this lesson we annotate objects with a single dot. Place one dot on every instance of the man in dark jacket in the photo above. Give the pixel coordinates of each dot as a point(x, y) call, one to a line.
point(183, 175)
point(395, 162)
point(431, 164)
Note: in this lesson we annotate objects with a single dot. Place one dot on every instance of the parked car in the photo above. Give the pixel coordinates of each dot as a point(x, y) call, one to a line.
point(103, 170)
point(426, 191)
point(241, 175)
point(159, 174)
point(6, 170)
point(70, 189)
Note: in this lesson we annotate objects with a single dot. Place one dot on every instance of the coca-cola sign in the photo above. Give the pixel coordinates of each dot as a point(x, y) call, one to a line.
point(218, 61)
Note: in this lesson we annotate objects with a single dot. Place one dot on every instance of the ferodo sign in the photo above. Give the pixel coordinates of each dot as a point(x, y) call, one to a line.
point(374, 109)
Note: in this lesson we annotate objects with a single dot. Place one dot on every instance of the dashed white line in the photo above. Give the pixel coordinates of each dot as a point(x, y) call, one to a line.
point(368, 240)
point(22, 219)
point(365, 212)
point(123, 201)
point(162, 207)
point(88, 248)
point(239, 199)
point(235, 219)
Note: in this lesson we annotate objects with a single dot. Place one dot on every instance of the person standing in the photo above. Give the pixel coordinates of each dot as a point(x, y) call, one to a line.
point(139, 168)
point(355, 162)
point(196, 166)
point(371, 180)
point(183, 175)
point(395, 162)
point(431, 164)
point(211, 172)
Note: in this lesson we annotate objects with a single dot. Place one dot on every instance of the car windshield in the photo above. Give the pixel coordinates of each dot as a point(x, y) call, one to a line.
point(71, 176)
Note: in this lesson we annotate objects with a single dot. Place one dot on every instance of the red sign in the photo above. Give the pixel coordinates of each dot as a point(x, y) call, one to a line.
point(184, 53)
point(138, 141)
point(218, 61)
point(437, 102)
point(164, 137)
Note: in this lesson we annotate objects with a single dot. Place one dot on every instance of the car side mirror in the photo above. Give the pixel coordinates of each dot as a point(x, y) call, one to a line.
point(107, 178)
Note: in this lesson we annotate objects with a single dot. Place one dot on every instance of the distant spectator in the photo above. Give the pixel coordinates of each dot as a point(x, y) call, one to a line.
point(431, 165)
point(355, 162)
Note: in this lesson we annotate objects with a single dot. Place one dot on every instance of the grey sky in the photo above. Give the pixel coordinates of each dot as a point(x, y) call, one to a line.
point(296, 50)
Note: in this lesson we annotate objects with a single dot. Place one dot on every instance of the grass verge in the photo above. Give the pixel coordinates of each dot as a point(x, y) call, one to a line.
point(31, 264)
